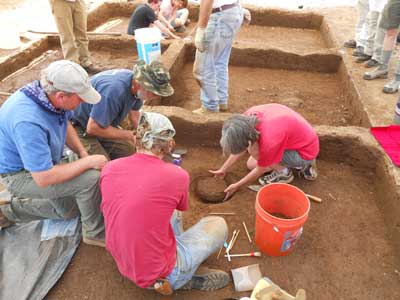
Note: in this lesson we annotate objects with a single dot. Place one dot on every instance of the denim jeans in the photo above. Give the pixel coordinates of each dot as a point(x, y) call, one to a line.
point(211, 66)
point(194, 246)
point(78, 196)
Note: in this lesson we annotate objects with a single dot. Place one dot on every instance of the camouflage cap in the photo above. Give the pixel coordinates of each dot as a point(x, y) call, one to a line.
point(153, 78)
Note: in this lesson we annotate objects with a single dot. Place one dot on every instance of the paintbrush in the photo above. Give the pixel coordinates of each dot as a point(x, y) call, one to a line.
point(251, 254)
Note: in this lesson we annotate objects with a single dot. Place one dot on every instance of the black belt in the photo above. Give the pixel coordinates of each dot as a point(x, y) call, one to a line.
point(224, 7)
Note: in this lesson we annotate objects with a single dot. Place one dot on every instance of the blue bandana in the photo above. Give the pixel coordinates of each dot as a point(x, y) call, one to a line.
point(35, 92)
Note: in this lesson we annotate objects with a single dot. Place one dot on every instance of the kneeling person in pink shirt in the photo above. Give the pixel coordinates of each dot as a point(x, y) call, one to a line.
point(277, 138)
point(142, 201)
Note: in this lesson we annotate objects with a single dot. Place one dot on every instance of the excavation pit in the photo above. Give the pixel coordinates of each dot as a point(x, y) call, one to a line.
point(352, 233)
point(270, 76)
point(111, 52)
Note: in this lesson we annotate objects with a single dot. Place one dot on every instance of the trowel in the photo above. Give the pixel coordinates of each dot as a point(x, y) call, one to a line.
point(257, 187)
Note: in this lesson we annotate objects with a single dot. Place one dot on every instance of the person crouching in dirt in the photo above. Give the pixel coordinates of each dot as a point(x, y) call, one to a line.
point(148, 15)
point(143, 197)
point(277, 139)
point(122, 94)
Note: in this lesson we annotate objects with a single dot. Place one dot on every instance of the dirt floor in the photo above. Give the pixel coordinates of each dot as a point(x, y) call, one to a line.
point(342, 254)
point(322, 103)
point(109, 59)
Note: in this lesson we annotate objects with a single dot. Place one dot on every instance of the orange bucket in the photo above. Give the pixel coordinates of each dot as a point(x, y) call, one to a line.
point(281, 211)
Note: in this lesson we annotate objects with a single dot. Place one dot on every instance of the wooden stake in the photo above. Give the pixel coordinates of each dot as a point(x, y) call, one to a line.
point(314, 198)
point(247, 232)
point(251, 254)
point(5, 94)
point(222, 213)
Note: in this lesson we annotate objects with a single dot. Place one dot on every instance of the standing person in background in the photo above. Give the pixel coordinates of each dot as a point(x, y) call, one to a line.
point(390, 21)
point(146, 15)
point(175, 13)
point(361, 29)
point(219, 21)
point(71, 20)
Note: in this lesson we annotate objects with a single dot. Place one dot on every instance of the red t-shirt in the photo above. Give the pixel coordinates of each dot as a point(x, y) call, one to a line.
point(139, 196)
point(281, 128)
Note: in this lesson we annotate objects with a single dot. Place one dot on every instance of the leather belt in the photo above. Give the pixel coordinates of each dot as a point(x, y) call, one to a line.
point(224, 7)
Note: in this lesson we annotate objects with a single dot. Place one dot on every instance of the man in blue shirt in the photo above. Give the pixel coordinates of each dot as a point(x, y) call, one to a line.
point(34, 128)
point(122, 94)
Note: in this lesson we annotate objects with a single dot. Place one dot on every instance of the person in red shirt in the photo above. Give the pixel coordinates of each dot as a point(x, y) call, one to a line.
point(277, 139)
point(142, 200)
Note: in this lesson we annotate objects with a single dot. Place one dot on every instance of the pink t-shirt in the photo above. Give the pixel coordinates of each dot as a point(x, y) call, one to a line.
point(281, 128)
point(139, 196)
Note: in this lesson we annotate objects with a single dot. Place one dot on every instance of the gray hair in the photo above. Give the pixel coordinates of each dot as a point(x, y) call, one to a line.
point(47, 86)
point(237, 132)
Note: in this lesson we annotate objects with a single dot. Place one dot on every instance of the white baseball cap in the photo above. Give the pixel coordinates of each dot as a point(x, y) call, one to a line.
point(70, 77)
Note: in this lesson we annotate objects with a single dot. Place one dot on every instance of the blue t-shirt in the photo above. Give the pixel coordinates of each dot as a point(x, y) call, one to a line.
point(31, 137)
point(116, 101)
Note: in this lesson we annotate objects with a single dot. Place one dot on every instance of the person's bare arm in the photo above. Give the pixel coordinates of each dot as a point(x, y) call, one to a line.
point(134, 116)
point(205, 12)
point(165, 21)
point(64, 172)
point(110, 132)
point(164, 29)
point(74, 143)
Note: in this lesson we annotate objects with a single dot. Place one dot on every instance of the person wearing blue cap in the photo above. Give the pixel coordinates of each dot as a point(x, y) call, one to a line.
point(34, 130)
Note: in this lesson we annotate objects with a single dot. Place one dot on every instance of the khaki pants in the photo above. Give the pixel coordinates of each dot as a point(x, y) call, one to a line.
point(71, 21)
point(78, 196)
point(110, 148)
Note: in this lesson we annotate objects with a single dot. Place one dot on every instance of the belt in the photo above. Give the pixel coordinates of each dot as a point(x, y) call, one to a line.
point(224, 7)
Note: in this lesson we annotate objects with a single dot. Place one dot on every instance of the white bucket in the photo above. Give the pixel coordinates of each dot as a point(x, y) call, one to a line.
point(148, 44)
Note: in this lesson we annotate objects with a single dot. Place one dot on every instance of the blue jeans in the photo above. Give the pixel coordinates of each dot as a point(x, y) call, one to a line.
point(194, 246)
point(211, 66)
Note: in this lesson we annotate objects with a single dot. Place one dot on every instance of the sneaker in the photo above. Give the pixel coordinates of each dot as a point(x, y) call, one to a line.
point(350, 44)
point(371, 63)
point(359, 51)
point(274, 177)
point(310, 172)
point(223, 107)
point(202, 111)
point(391, 87)
point(4, 222)
point(94, 241)
point(207, 280)
point(379, 72)
point(363, 58)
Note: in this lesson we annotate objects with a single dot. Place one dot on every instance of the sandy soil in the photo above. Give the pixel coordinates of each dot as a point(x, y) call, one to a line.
point(109, 59)
point(362, 267)
point(317, 96)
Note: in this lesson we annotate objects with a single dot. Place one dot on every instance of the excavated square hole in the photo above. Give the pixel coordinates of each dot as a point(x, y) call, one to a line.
point(110, 52)
point(345, 252)
point(316, 86)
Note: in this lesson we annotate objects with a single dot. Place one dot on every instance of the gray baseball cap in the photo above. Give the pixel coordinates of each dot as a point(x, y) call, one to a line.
point(70, 77)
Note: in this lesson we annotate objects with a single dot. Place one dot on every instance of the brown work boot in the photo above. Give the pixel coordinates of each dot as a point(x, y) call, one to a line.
point(207, 280)
point(223, 107)
point(4, 222)
point(203, 111)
